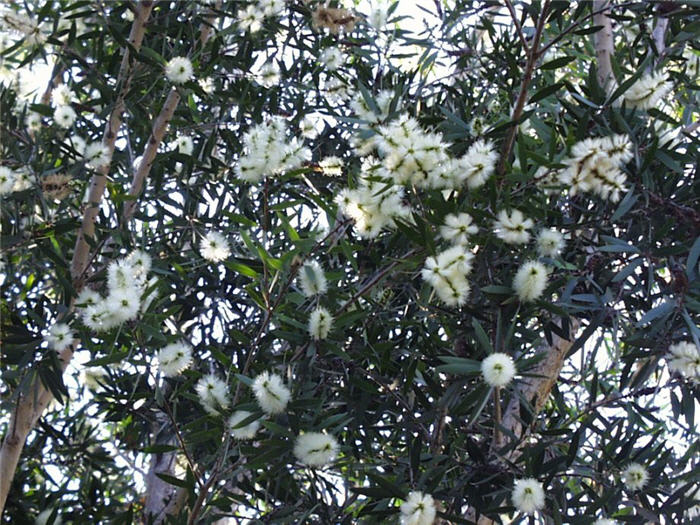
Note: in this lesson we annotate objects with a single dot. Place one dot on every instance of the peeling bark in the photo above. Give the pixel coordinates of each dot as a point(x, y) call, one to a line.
point(604, 44)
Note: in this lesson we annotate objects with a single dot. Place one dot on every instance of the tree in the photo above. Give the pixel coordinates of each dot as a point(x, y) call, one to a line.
point(297, 262)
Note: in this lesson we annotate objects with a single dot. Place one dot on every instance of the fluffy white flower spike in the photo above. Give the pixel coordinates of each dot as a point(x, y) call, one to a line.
point(239, 431)
point(312, 279)
point(684, 358)
point(332, 58)
point(271, 393)
point(604, 521)
point(457, 228)
point(528, 495)
point(648, 91)
point(213, 394)
point(418, 509)
point(530, 281)
point(64, 116)
point(59, 337)
point(320, 323)
point(179, 70)
point(214, 247)
point(97, 155)
point(513, 228)
point(447, 274)
point(174, 358)
point(498, 369)
point(635, 476)
point(316, 449)
point(550, 243)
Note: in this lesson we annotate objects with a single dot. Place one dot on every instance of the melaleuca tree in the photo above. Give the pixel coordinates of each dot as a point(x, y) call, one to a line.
point(303, 262)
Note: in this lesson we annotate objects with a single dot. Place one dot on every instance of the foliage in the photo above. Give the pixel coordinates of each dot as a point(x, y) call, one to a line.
point(397, 380)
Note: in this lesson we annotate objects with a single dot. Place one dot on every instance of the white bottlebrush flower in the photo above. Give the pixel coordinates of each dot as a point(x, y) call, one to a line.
point(120, 275)
point(140, 263)
point(270, 75)
point(87, 297)
point(550, 243)
point(316, 449)
point(61, 95)
point(32, 121)
point(478, 163)
point(7, 180)
point(179, 70)
point(635, 476)
point(308, 128)
point(648, 91)
point(530, 281)
point(271, 394)
point(604, 521)
point(528, 495)
point(97, 155)
point(184, 145)
point(245, 431)
point(250, 18)
point(214, 247)
point(320, 323)
point(378, 16)
point(513, 228)
point(124, 303)
point(418, 509)
point(332, 58)
point(312, 279)
point(271, 7)
point(100, 317)
point(684, 358)
point(23, 180)
point(64, 116)
point(447, 274)
point(331, 166)
point(174, 358)
point(59, 337)
point(457, 228)
point(213, 394)
point(498, 369)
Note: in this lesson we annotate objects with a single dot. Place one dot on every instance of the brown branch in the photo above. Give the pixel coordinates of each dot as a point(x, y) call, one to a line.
point(518, 29)
point(32, 403)
point(533, 55)
point(79, 264)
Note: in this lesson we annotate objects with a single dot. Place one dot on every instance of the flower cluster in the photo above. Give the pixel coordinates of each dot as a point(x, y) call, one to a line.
point(268, 152)
point(271, 393)
point(179, 70)
point(648, 91)
point(364, 112)
point(320, 323)
point(239, 428)
point(126, 283)
point(213, 394)
point(316, 449)
point(498, 369)
point(250, 18)
point(635, 476)
point(685, 359)
point(530, 280)
point(457, 228)
point(373, 206)
point(418, 509)
point(214, 247)
point(13, 180)
point(312, 279)
point(513, 228)
point(528, 495)
point(550, 243)
point(59, 337)
point(174, 358)
point(594, 166)
point(447, 273)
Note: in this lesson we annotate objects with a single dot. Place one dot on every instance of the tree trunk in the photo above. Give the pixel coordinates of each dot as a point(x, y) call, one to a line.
point(604, 44)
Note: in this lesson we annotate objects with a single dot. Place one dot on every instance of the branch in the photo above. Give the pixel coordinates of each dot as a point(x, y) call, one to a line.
point(604, 44)
point(518, 29)
point(79, 264)
point(32, 403)
point(533, 55)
